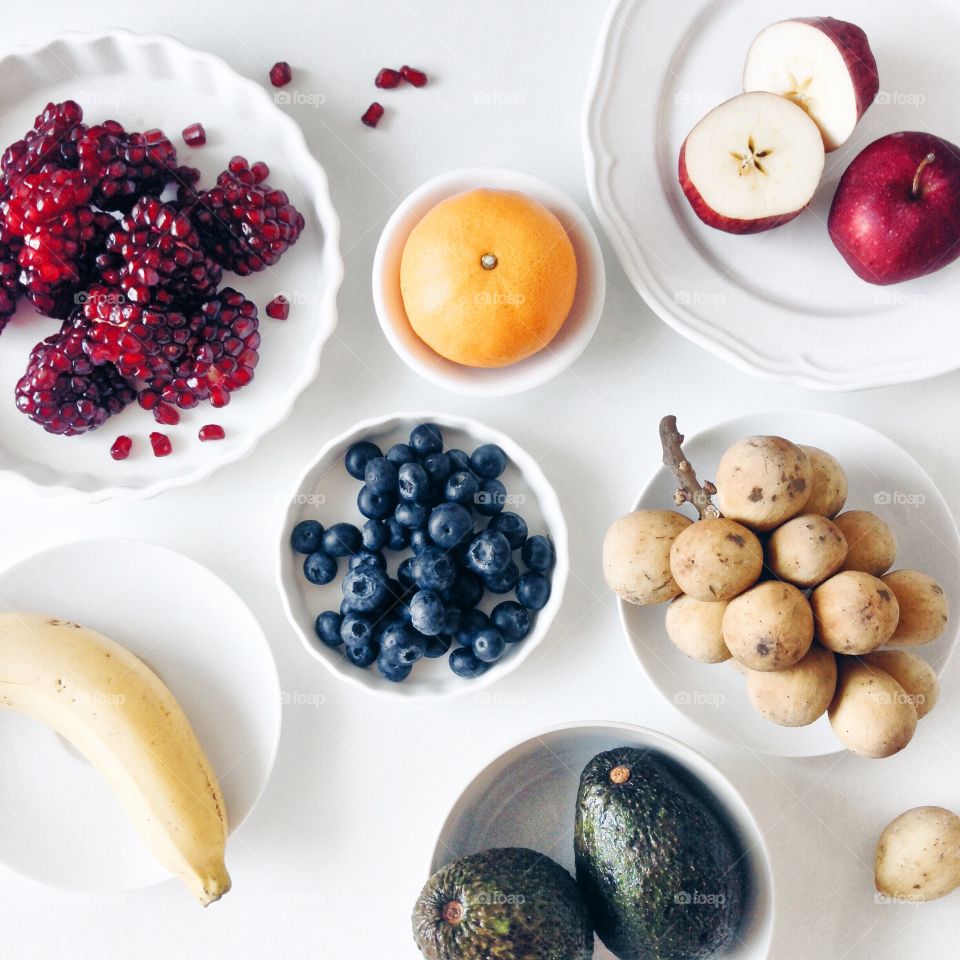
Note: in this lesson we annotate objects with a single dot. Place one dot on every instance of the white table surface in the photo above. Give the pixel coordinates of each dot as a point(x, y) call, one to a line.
point(330, 862)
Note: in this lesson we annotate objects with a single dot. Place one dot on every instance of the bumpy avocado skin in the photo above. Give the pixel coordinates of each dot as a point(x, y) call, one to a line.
point(660, 874)
point(517, 905)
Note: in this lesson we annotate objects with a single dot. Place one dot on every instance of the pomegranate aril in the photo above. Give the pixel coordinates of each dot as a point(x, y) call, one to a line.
point(280, 73)
point(165, 414)
point(121, 448)
point(278, 308)
point(373, 114)
point(388, 78)
point(417, 77)
point(212, 431)
point(194, 135)
point(161, 444)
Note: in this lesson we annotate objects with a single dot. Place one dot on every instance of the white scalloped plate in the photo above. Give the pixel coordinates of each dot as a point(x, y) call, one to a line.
point(781, 304)
point(152, 81)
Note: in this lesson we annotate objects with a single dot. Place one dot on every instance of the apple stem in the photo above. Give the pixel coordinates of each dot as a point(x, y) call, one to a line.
point(690, 489)
point(929, 158)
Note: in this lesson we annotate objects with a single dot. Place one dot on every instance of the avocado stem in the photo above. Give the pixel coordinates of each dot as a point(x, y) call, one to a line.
point(620, 774)
point(453, 912)
point(915, 191)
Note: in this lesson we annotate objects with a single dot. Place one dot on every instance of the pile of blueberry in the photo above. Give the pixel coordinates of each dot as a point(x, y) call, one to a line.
point(448, 509)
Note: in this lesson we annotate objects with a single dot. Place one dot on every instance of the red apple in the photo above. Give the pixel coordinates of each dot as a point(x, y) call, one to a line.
point(896, 212)
point(751, 164)
point(823, 65)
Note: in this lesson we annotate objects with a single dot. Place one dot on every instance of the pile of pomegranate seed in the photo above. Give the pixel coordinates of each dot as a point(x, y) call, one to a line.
point(86, 238)
point(281, 74)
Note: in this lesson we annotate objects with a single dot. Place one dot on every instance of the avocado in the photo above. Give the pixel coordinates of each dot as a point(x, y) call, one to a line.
point(660, 874)
point(502, 904)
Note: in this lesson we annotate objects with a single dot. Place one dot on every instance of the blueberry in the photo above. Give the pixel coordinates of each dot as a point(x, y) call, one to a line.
point(362, 654)
point(438, 467)
point(402, 612)
point(512, 526)
point(537, 553)
point(413, 481)
point(358, 456)
point(405, 572)
point(436, 647)
point(327, 627)
point(319, 567)
point(427, 613)
point(433, 570)
point(488, 553)
point(490, 498)
point(393, 670)
point(464, 663)
point(419, 541)
point(345, 608)
point(306, 536)
point(401, 643)
point(426, 438)
point(365, 589)
point(355, 629)
point(374, 535)
point(511, 620)
point(452, 620)
point(459, 459)
point(398, 533)
point(488, 461)
point(411, 515)
point(368, 558)
point(504, 580)
point(341, 540)
point(488, 644)
point(449, 523)
point(376, 506)
point(401, 453)
point(461, 487)
point(467, 590)
point(470, 622)
point(533, 591)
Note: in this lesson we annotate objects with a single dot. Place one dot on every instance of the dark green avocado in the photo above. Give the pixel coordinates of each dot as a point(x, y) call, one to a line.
point(503, 904)
point(660, 874)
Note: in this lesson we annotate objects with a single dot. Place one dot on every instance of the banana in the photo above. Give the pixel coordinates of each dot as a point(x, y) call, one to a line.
point(122, 718)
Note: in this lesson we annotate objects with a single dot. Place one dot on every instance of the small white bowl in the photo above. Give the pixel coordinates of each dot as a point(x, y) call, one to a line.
point(576, 331)
point(326, 492)
point(526, 797)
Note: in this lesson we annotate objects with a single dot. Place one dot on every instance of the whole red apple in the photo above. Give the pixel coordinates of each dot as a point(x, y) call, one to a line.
point(896, 212)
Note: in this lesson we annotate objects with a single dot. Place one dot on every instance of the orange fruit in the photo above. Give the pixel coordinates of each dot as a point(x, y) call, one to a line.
point(488, 277)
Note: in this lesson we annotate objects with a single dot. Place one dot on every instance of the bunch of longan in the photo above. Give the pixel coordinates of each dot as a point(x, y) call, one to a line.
point(796, 592)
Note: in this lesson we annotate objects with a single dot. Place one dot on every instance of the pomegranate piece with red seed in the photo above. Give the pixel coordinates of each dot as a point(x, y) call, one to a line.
point(121, 447)
point(63, 390)
point(211, 431)
point(9, 272)
point(413, 76)
point(161, 444)
point(373, 114)
point(245, 225)
point(388, 78)
point(165, 414)
point(281, 74)
point(278, 308)
point(194, 135)
point(52, 141)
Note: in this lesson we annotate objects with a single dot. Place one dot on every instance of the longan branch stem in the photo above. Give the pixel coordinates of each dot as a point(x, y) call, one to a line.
point(690, 489)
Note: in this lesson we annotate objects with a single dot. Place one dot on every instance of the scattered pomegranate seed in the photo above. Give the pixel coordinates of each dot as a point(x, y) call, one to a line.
point(212, 431)
point(161, 444)
point(194, 135)
point(281, 74)
point(165, 414)
point(278, 308)
point(388, 78)
point(121, 447)
point(417, 77)
point(372, 117)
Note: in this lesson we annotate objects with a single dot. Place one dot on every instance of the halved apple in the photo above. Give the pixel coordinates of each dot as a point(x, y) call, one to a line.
point(821, 64)
point(752, 163)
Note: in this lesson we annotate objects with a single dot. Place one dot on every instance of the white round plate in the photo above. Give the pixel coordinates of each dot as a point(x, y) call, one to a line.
point(326, 492)
point(63, 825)
point(884, 479)
point(781, 304)
point(526, 797)
point(144, 82)
point(574, 335)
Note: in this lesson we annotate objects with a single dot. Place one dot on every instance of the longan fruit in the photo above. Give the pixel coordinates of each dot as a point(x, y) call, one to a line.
point(715, 559)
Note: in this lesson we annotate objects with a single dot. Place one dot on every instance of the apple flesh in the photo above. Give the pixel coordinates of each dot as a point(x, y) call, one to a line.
point(896, 212)
point(751, 164)
point(824, 65)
